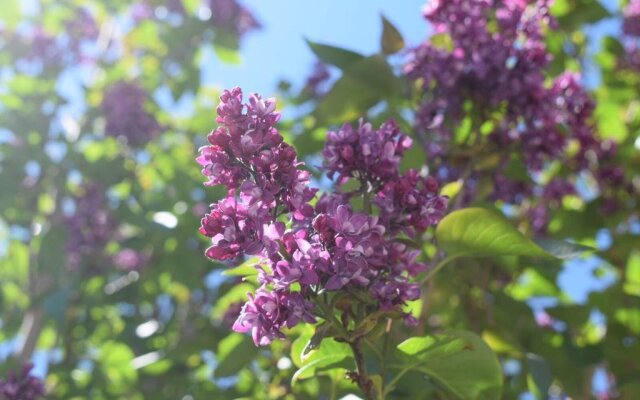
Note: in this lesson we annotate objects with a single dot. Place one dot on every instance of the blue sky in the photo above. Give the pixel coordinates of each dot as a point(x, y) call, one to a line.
point(279, 50)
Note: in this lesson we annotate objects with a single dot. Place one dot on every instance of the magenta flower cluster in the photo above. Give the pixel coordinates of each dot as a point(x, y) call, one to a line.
point(306, 250)
point(21, 386)
point(124, 108)
point(492, 54)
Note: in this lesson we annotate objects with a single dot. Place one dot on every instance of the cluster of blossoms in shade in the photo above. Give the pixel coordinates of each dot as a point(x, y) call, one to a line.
point(21, 386)
point(494, 57)
point(124, 108)
point(90, 228)
point(307, 251)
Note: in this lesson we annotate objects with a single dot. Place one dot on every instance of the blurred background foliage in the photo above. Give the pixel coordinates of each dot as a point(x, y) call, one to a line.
point(103, 280)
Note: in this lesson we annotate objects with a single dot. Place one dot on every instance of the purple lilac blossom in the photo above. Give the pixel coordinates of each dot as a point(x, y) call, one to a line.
point(21, 386)
point(330, 246)
point(126, 116)
point(493, 55)
point(89, 228)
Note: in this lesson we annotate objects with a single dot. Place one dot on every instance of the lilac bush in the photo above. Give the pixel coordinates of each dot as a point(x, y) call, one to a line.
point(309, 251)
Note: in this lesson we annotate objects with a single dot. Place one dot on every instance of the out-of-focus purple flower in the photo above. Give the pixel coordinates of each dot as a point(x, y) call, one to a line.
point(631, 21)
point(176, 7)
point(21, 386)
point(130, 260)
point(141, 11)
point(314, 84)
point(89, 228)
point(126, 116)
point(232, 313)
point(43, 48)
point(80, 28)
point(232, 17)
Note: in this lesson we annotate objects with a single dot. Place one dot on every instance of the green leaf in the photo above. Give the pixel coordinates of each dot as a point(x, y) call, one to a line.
point(579, 12)
point(632, 275)
point(611, 121)
point(10, 13)
point(539, 377)
point(227, 55)
point(391, 41)
point(55, 304)
point(483, 232)
point(460, 362)
point(330, 355)
point(52, 253)
point(336, 56)
point(245, 269)
point(362, 85)
point(562, 249)
point(234, 353)
point(115, 362)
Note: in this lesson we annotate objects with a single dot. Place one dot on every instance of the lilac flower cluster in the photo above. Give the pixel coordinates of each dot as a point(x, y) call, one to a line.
point(328, 247)
point(631, 22)
point(126, 116)
point(631, 28)
point(34, 51)
point(21, 386)
point(80, 29)
point(89, 228)
point(232, 17)
point(496, 58)
point(492, 54)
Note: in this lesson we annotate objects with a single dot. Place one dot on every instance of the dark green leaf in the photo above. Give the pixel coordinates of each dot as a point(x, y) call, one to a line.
point(336, 56)
point(234, 353)
point(539, 377)
point(363, 85)
point(460, 362)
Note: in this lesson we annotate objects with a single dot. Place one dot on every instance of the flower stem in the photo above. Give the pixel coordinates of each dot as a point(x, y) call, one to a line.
point(365, 384)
